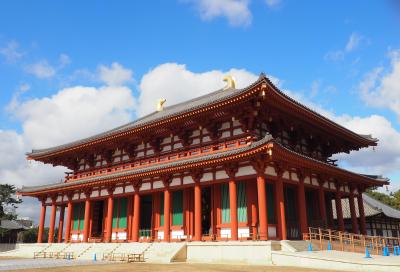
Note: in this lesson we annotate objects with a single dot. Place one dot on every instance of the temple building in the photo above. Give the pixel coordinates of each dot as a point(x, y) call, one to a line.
point(381, 219)
point(248, 163)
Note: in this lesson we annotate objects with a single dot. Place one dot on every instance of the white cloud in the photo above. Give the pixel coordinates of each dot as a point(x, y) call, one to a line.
point(16, 170)
point(73, 113)
point(380, 89)
point(383, 159)
point(237, 12)
point(176, 83)
point(352, 44)
point(10, 52)
point(41, 69)
point(64, 60)
point(23, 88)
point(273, 3)
point(70, 114)
point(77, 112)
point(115, 75)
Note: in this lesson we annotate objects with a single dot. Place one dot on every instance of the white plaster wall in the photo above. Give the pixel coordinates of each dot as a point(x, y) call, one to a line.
point(225, 232)
point(221, 174)
point(160, 234)
point(206, 177)
point(129, 189)
point(158, 184)
point(178, 234)
point(245, 171)
point(243, 232)
point(175, 182)
point(230, 252)
point(95, 193)
point(75, 196)
point(104, 192)
point(118, 190)
point(145, 186)
point(187, 180)
point(270, 171)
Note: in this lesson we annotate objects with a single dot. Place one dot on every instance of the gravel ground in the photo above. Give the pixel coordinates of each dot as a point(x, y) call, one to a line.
point(144, 267)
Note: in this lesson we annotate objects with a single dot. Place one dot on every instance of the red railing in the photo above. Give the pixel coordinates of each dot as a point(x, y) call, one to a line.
point(192, 153)
point(345, 241)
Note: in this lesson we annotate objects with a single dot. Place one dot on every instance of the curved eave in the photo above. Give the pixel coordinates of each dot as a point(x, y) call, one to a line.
point(363, 140)
point(322, 167)
point(278, 153)
point(236, 96)
point(129, 129)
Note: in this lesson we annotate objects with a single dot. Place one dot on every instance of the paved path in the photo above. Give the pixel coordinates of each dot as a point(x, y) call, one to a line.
point(40, 263)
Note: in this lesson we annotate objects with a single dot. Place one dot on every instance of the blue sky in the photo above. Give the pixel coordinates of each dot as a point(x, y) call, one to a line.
point(338, 56)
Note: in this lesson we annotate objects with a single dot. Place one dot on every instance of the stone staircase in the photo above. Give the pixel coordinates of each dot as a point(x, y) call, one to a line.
point(99, 249)
point(163, 252)
point(153, 252)
point(296, 246)
point(25, 250)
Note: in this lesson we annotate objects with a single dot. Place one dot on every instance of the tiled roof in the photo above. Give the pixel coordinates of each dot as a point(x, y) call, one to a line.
point(167, 112)
point(371, 207)
point(182, 162)
point(11, 225)
point(188, 106)
point(145, 169)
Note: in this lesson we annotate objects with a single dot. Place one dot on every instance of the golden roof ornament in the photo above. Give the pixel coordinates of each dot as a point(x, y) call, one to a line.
point(160, 104)
point(230, 82)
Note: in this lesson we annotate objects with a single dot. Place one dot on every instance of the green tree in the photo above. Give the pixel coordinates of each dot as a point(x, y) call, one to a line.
point(7, 199)
point(392, 199)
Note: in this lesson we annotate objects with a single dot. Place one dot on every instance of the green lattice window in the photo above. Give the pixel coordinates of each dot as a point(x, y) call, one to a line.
point(119, 213)
point(241, 202)
point(225, 210)
point(162, 210)
point(78, 216)
point(177, 208)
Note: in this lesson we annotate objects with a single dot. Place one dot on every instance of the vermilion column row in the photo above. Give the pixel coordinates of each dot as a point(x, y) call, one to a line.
point(260, 218)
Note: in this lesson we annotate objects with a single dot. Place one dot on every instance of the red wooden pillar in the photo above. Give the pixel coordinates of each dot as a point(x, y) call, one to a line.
point(41, 221)
point(360, 201)
point(339, 211)
point(110, 208)
point(69, 218)
point(302, 207)
point(233, 209)
point(61, 224)
point(262, 206)
point(167, 217)
point(354, 223)
point(136, 216)
point(322, 206)
point(251, 191)
point(87, 218)
point(197, 212)
point(231, 170)
point(52, 220)
point(281, 208)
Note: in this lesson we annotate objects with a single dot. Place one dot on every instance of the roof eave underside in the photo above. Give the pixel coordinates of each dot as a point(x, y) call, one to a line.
point(259, 145)
point(367, 139)
point(43, 153)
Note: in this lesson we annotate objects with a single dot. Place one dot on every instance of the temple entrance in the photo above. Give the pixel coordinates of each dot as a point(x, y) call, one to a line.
point(146, 212)
point(97, 219)
point(312, 207)
point(291, 216)
point(206, 211)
